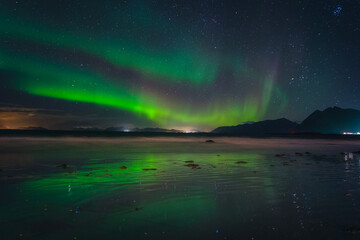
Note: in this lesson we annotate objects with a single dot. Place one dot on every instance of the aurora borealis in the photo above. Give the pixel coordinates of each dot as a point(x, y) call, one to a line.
point(174, 64)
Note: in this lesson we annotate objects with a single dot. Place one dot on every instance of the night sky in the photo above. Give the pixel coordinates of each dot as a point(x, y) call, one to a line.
point(175, 64)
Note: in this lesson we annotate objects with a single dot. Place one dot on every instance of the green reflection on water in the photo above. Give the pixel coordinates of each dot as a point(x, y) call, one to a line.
point(100, 189)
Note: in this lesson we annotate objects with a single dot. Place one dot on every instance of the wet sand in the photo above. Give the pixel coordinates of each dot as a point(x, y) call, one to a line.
point(179, 188)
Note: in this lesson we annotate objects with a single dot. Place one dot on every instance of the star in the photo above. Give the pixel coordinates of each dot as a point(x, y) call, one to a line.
point(337, 11)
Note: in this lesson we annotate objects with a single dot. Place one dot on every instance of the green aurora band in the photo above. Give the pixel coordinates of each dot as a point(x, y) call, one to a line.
point(73, 85)
point(177, 65)
point(42, 77)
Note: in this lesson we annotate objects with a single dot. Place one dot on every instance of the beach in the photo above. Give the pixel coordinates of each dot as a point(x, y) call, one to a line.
point(179, 188)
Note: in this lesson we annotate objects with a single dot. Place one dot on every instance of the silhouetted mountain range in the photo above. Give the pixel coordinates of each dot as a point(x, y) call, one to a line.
point(92, 129)
point(333, 120)
point(281, 125)
point(35, 128)
point(124, 129)
point(115, 129)
point(155, 130)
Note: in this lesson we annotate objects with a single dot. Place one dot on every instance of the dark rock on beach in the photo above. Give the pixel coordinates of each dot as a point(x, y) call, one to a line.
point(193, 165)
point(241, 162)
point(63, 165)
point(353, 230)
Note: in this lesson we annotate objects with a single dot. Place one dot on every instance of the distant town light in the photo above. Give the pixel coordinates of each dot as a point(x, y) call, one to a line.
point(190, 131)
point(351, 133)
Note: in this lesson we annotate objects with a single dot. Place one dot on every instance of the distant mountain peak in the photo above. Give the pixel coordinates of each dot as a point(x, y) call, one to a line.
point(334, 108)
point(333, 120)
point(281, 125)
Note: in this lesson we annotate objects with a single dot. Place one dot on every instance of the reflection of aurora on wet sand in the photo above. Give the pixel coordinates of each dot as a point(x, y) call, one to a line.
point(240, 190)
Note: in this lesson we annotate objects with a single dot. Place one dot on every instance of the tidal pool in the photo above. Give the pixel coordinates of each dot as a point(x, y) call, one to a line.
point(179, 188)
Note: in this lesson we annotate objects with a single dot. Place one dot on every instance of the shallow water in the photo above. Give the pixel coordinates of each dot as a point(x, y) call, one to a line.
point(241, 188)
